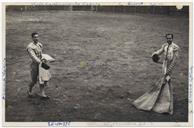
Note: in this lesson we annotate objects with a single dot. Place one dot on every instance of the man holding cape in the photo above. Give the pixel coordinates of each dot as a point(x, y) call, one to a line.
point(160, 97)
point(39, 68)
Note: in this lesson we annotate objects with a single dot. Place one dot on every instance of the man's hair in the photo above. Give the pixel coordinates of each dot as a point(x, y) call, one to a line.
point(169, 35)
point(34, 33)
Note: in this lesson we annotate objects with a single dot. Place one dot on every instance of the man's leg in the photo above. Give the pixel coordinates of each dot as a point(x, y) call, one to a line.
point(34, 77)
point(31, 85)
point(171, 99)
point(42, 90)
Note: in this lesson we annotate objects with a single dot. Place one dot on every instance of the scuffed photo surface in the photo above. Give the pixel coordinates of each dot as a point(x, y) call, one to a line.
point(103, 63)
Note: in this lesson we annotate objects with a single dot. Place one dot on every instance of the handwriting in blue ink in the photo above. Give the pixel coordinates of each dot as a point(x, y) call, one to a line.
point(58, 124)
point(190, 83)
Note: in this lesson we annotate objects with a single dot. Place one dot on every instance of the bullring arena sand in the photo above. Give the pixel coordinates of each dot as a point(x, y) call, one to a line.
point(103, 63)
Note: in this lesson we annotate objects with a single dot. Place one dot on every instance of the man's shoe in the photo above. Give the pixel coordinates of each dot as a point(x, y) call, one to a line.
point(45, 97)
point(30, 94)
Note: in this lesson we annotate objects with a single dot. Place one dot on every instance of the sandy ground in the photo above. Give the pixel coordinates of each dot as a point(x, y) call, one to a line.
point(102, 64)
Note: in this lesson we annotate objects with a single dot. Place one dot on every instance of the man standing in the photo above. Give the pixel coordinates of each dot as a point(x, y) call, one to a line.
point(170, 51)
point(160, 97)
point(35, 51)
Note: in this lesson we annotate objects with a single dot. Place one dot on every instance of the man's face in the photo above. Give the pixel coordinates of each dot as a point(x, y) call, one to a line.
point(169, 39)
point(35, 38)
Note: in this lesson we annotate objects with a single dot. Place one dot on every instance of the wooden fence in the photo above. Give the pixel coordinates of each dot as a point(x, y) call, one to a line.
point(166, 10)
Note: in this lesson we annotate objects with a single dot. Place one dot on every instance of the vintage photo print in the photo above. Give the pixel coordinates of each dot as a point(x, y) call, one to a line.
point(97, 64)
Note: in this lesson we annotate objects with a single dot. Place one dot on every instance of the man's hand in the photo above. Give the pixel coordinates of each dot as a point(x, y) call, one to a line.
point(155, 58)
point(43, 60)
point(167, 78)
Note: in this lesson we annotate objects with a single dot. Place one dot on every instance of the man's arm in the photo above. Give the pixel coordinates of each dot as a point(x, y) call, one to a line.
point(33, 55)
point(160, 51)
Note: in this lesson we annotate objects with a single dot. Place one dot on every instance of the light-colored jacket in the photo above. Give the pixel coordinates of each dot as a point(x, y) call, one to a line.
point(170, 56)
point(35, 52)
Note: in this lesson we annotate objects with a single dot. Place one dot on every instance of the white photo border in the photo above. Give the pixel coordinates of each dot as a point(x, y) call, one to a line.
point(100, 124)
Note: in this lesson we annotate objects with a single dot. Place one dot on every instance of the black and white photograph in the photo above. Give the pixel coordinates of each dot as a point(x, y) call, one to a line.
point(97, 63)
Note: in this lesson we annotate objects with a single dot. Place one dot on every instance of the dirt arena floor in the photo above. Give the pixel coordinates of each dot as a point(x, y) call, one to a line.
point(103, 63)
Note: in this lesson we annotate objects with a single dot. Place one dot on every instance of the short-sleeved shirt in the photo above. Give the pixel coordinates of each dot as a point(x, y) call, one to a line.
point(35, 51)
